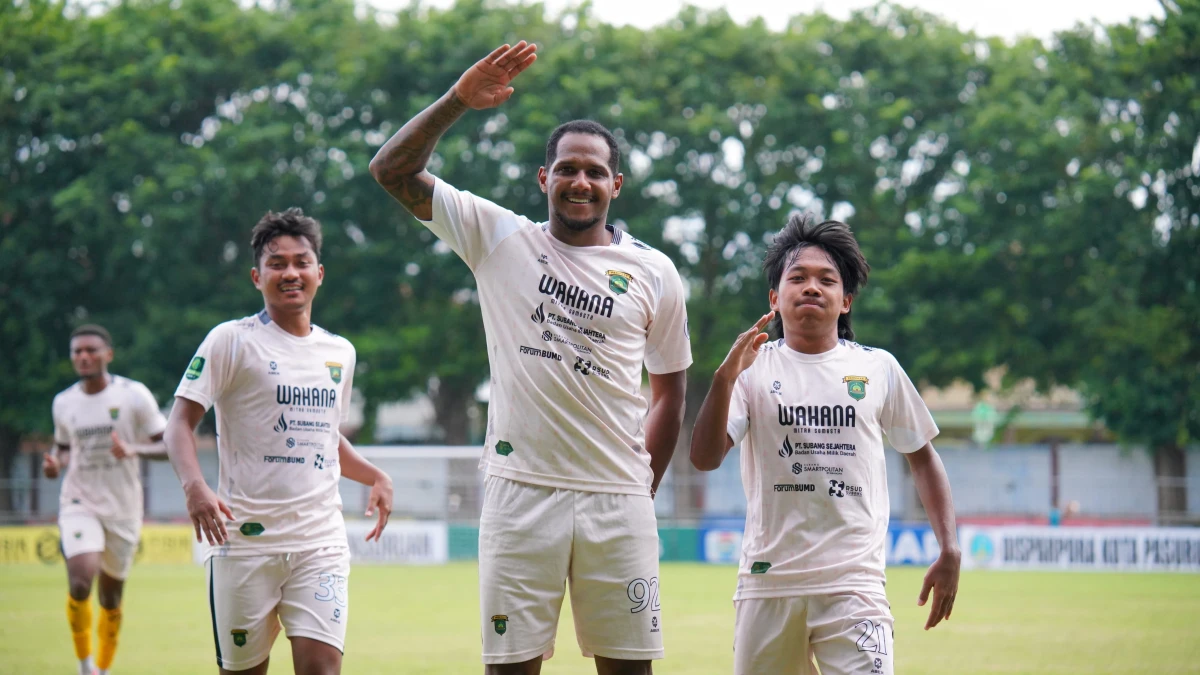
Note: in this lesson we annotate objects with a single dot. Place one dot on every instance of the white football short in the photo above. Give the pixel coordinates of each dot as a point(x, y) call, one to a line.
point(843, 634)
point(533, 540)
point(249, 596)
point(115, 539)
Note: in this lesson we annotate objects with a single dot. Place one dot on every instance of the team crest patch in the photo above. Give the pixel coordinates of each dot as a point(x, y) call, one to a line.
point(114, 413)
point(503, 448)
point(618, 282)
point(239, 637)
point(500, 622)
point(760, 567)
point(335, 371)
point(856, 386)
point(195, 368)
point(252, 529)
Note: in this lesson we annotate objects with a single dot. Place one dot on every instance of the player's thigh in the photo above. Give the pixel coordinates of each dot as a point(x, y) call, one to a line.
point(615, 593)
point(524, 553)
point(120, 547)
point(80, 533)
point(770, 635)
point(243, 596)
point(315, 602)
point(852, 634)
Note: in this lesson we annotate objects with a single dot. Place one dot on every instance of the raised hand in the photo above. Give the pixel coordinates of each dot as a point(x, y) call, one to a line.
point(745, 349)
point(485, 84)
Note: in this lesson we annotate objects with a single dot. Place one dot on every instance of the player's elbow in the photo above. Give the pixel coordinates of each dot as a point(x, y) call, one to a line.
point(703, 458)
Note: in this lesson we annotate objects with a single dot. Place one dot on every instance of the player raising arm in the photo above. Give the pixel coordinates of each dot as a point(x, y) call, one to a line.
point(811, 410)
point(281, 387)
point(572, 309)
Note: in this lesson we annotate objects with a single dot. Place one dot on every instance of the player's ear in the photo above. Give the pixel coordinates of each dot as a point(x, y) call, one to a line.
point(773, 297)
point(542, 179)
point(320, 273)
point(617, 181)
point(254, 276)
point(846, 300)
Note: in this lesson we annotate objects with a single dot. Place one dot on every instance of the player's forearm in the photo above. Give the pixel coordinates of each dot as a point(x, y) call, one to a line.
point(710, 441)
point(662, 433)
point(400, 163)
point(356, 467)
point(180, 442)
point(933, 486)
point(153, 450)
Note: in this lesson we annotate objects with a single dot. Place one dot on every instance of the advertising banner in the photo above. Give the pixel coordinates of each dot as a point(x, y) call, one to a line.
point(39, 544)
point(1141, 549)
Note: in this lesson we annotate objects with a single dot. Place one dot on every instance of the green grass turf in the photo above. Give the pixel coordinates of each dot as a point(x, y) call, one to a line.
point(425, 620)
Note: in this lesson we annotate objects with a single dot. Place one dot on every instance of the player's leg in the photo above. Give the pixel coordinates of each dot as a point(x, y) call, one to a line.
point(524, 552)
point(120, 547)
point(82, 541)
point(614, 581)
point(852, 634)
point(243, 597)
point(770, 635)
point(315, 607)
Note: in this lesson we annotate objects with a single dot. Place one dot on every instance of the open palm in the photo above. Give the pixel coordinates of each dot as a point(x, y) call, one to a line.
point(485, 84)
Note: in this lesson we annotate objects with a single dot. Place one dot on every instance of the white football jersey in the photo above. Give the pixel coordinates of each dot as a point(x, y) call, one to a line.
point(96, 483)
point(811, 428)
point(568, 329)
point(280, 401)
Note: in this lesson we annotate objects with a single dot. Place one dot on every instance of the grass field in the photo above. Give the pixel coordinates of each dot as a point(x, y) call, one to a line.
point(423, 620)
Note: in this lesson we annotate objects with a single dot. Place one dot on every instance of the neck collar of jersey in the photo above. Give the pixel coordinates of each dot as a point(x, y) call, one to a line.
point(801, 357)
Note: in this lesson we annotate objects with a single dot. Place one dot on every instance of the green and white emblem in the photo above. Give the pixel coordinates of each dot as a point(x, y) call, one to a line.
point(195, 368)
point(618, 282)
point(500, 621)
point(856, 386)
point(335, 371)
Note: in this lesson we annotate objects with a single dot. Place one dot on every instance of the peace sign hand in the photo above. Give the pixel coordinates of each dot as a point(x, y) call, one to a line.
point(745, 349)
point(485, 84)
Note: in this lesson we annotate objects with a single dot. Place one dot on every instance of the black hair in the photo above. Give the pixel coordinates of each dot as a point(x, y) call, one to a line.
point(831, 236)
point(289, 223)
point(93, 329)
point(584, 127)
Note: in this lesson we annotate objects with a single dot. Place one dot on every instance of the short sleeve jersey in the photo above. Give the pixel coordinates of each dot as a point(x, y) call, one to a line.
point(568, 330)
point(280, 401)
point(97, 483)
point(811, 428)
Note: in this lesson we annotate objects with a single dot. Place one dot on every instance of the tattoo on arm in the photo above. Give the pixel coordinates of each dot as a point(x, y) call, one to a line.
point(399, 166)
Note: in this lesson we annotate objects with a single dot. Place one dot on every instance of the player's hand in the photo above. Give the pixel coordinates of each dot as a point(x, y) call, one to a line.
point(50, 466)
point(942, 579)
point(206, 511)
point(118, 448)
point(380, 500)
point(485, 84)
point(745, 349)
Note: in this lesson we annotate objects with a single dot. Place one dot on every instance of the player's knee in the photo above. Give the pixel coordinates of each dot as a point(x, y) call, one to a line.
point(80, 587)
point(620, 667)
point(530, 667)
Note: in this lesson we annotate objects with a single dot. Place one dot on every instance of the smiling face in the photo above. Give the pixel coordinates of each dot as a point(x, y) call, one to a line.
point(810, 297)
point(579, 183)
point(288, 274)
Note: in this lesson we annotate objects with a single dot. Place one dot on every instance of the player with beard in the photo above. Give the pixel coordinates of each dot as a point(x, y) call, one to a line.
point(572, 309)
point(281, 387)
point(811, 410)
point(103, 424)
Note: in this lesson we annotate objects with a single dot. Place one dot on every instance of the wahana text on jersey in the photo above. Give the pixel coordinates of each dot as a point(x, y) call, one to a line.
point(831, 417)
point(305, 397)
point(575, 299)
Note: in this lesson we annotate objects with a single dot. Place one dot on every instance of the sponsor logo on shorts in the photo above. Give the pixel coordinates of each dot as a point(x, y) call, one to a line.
point(251, 529)
point(654, 624)
point(500, 623)
point(239, 636)
point(760, 567)
point(503, 448)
